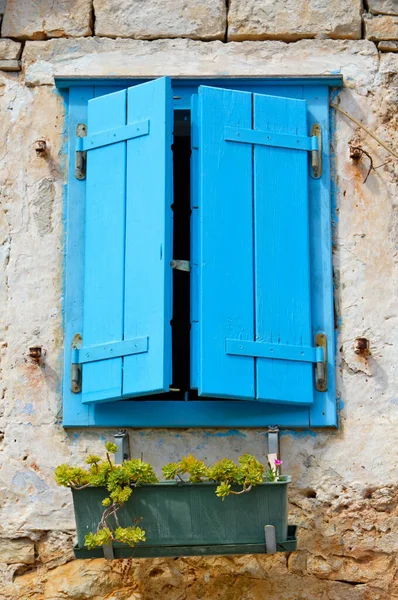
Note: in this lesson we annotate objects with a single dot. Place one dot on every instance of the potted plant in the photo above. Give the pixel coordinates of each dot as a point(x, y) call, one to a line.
point(123, 510)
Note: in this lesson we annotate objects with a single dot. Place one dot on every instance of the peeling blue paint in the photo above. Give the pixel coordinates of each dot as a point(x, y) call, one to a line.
point(225, 433)
point(335, 217)
point(28, 408)
point(22, 480)
point(299, 435)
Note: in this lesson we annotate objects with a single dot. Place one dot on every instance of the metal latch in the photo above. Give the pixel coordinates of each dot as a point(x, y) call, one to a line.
point(321, 367)
point(81, 155)
point(181, 265)
point(316, 152)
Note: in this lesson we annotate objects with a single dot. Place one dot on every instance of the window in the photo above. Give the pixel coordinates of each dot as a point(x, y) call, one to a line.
point(198, 255)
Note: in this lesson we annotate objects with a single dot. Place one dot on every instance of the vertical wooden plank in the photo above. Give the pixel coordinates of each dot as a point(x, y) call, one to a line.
point(148, 278)
point(104, 248)
point(323, 412)
point(282, 251)
point(74, 413)
point(225, 245)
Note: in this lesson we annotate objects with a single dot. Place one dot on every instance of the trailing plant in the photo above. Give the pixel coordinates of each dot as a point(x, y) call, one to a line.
point(120, 480)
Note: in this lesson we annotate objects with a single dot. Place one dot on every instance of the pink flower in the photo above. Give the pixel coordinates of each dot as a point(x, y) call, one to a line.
point(278, 462)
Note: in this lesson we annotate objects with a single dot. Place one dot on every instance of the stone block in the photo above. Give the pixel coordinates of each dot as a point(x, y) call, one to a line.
point(55, 548)
point(289, 20)
point(381, 28)
point(2, 6)
point(388, 46)
point(10, 65)
point(41, 19)
point(383, 7)
point(101, 57)
point(9, 50)
point(17, 551)
point(196, 19)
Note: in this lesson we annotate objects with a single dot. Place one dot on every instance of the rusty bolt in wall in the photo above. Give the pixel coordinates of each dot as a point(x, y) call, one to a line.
point(355, 152)
point(37, 354)
point(41, 148)
point(362, 347)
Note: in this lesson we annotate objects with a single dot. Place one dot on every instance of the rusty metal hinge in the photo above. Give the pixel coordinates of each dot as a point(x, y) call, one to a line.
point(81, 155)
point(321, 367)
point(75, 368)
point(316, 152)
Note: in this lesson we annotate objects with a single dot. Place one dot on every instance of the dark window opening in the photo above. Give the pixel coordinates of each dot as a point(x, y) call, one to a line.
point(181, 251)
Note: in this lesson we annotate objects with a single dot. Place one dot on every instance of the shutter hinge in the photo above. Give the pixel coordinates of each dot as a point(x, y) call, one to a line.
point(317, 354)
point(321, 367)
point(108, 351)
point(316, 152)
point(75, 368)
point(81, 155)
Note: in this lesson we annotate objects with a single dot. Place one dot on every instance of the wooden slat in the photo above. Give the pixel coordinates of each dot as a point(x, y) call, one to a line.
point(148, 276)
point(225, 245)
point(104, 249)
point(282, 251)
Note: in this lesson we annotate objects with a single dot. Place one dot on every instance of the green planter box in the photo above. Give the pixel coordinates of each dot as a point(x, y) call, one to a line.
point(185, 519)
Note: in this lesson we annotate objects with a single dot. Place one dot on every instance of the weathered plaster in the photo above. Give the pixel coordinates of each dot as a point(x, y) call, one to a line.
point(344, 495)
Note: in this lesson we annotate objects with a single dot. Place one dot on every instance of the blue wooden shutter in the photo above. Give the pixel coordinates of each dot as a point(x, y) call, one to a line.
point(254, 251)
point(128, 244)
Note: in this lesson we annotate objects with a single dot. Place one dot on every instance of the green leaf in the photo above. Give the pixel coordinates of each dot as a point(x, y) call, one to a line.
point(111, 448)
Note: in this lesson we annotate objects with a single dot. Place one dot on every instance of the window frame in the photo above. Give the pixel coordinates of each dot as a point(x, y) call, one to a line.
point(141, 413)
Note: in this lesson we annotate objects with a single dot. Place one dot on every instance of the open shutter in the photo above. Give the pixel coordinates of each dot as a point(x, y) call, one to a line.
point(254, 315)
point(126, 346)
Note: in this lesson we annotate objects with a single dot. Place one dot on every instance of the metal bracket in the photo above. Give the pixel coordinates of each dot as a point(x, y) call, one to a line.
point(273, 440)
point(122, 442)
point(316, 154)
point(181, 265)
point(321, 367)
point(108, 551)
point(270, 539)
point(81, 155)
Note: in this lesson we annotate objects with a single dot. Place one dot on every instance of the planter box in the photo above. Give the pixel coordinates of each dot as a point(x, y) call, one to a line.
point(186, 519)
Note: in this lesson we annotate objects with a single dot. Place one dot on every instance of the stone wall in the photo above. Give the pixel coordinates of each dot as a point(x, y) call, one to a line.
point(345, 492)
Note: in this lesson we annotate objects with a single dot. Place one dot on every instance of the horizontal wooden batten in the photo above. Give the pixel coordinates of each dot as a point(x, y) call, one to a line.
point(268, 138)
point(275, 351)
point(111, 350)
point(113, 136)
